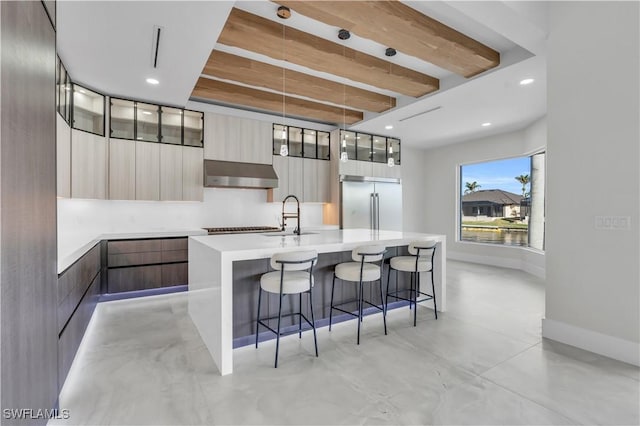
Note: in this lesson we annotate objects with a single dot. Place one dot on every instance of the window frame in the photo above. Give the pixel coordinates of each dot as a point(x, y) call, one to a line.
point(72, 110)
point(459, 194)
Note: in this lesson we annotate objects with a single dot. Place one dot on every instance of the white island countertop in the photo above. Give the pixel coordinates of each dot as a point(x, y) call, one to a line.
point(211, 273)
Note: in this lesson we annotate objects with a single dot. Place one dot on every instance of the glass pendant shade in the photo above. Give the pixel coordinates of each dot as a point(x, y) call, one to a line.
point(284, 151)
point(391, 162)
point(343, 156)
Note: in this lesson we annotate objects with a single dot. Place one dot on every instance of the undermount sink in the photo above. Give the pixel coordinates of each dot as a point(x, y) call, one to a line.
point(287, 234)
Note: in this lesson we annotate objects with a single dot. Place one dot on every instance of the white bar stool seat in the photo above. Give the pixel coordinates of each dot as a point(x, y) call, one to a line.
point(361, 270)
point(293, 275)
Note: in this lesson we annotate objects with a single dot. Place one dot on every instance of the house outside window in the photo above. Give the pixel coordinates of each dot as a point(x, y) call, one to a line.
point(502, 202)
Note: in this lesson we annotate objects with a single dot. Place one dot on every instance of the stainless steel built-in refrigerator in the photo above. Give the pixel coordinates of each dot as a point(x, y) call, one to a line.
point(370, 203)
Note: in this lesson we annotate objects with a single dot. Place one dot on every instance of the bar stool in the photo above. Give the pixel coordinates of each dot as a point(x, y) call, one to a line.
point(420, 260)
point(360, 270)
point(293, 275)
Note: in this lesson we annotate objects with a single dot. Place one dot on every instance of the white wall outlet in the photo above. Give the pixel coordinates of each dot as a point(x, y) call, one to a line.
point(613, 223)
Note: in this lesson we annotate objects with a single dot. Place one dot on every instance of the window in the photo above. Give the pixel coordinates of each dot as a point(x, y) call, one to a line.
point(156, 123)
point(122, 119)
point(502, 202)
point(366, 147)
point(147, 118)
point(171, 125)
point(193, 128)
point(301, 142)
point(63, 92)
point(88, 110)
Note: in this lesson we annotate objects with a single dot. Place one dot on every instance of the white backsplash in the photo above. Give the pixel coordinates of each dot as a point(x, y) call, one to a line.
point(82, 220)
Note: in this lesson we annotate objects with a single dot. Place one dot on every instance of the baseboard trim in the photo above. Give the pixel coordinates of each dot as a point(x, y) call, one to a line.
point(502, 262)
point(592, 341)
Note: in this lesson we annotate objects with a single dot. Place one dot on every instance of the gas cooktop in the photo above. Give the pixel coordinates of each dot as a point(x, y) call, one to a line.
point(241, 230)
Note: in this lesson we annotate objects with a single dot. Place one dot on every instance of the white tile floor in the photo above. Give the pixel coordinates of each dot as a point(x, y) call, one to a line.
point(482, 362)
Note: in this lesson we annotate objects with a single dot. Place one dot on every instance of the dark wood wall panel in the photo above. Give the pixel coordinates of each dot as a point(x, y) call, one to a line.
point(28, 208)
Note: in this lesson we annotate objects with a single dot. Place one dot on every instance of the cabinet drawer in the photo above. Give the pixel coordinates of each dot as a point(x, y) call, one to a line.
point(175, 244)
point(71, 336)
point(175, 256)
point(134, 278)
point(175, 274)
point(134, 246)
point(73, 282)
point(132, 259)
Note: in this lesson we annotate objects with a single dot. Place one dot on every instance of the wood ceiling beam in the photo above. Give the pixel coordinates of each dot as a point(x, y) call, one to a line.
point(397, 25)
point(254, 73)
point(207, 88)
point(254, 33)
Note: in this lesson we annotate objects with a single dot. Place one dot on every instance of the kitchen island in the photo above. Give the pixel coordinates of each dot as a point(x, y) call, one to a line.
point(219, 265)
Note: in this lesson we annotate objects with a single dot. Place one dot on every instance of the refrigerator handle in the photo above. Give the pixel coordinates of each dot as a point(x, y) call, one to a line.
point(372, 210)
point(377, 212)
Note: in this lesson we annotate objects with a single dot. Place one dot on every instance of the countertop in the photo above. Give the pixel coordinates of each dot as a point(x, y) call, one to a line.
point(73, 249)
point(255, 246)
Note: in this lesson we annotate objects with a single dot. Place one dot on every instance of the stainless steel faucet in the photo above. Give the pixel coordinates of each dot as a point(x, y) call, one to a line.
point(290, 215)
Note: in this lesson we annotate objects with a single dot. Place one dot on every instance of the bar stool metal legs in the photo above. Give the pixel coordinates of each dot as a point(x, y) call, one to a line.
point(421, 259)
point(293, 275)
point(359, 272)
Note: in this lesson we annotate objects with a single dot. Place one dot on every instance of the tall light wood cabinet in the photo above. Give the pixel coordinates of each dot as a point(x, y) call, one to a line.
point(323, 182)
point(170, 172)
point(306, 178)
point(228, 138)
point(147, 171)
point(63, 157)
point(122, 169)
point(88, 165)
point(192, 174)
point(281, 167)
point(296, 177)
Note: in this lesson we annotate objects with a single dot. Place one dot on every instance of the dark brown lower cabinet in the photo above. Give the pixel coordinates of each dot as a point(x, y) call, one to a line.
point(78, 292)
point(144, 264)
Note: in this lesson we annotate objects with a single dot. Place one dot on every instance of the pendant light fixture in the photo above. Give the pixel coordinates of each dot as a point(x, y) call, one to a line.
point(284, 149)
point(343, 144)
point(390, 161)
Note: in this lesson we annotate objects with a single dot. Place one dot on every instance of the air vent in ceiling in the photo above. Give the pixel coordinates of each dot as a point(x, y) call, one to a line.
point(420, 113)
point(155, 45)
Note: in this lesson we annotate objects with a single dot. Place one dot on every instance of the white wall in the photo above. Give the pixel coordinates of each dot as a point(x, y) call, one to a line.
point(439, 183)
point(413, 192)
point(593, 295)
point(80, 221)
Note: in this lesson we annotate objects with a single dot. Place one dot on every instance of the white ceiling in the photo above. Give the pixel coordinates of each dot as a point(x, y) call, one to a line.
point(108, 47)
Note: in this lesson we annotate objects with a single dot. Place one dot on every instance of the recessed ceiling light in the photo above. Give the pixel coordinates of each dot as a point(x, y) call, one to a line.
point(139, 137)
point(146, 112)
point(526, 81)
point(486, 124)
point(388, 127)
point(82, 91)
point(152, 81)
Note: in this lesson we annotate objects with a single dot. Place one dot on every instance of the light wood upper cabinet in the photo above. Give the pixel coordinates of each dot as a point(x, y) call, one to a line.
point(147, 171)
point(63, 157)
point(192, 174)
point(296, 179)
point(382, 170)
point(170, 172)
point(88, 165)
point(308, 179)
point(281, 167)
point(323, 182)
point(230, 138)
point(122, 169)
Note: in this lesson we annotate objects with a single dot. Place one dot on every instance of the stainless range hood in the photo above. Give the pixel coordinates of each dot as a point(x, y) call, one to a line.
point(230, 174)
